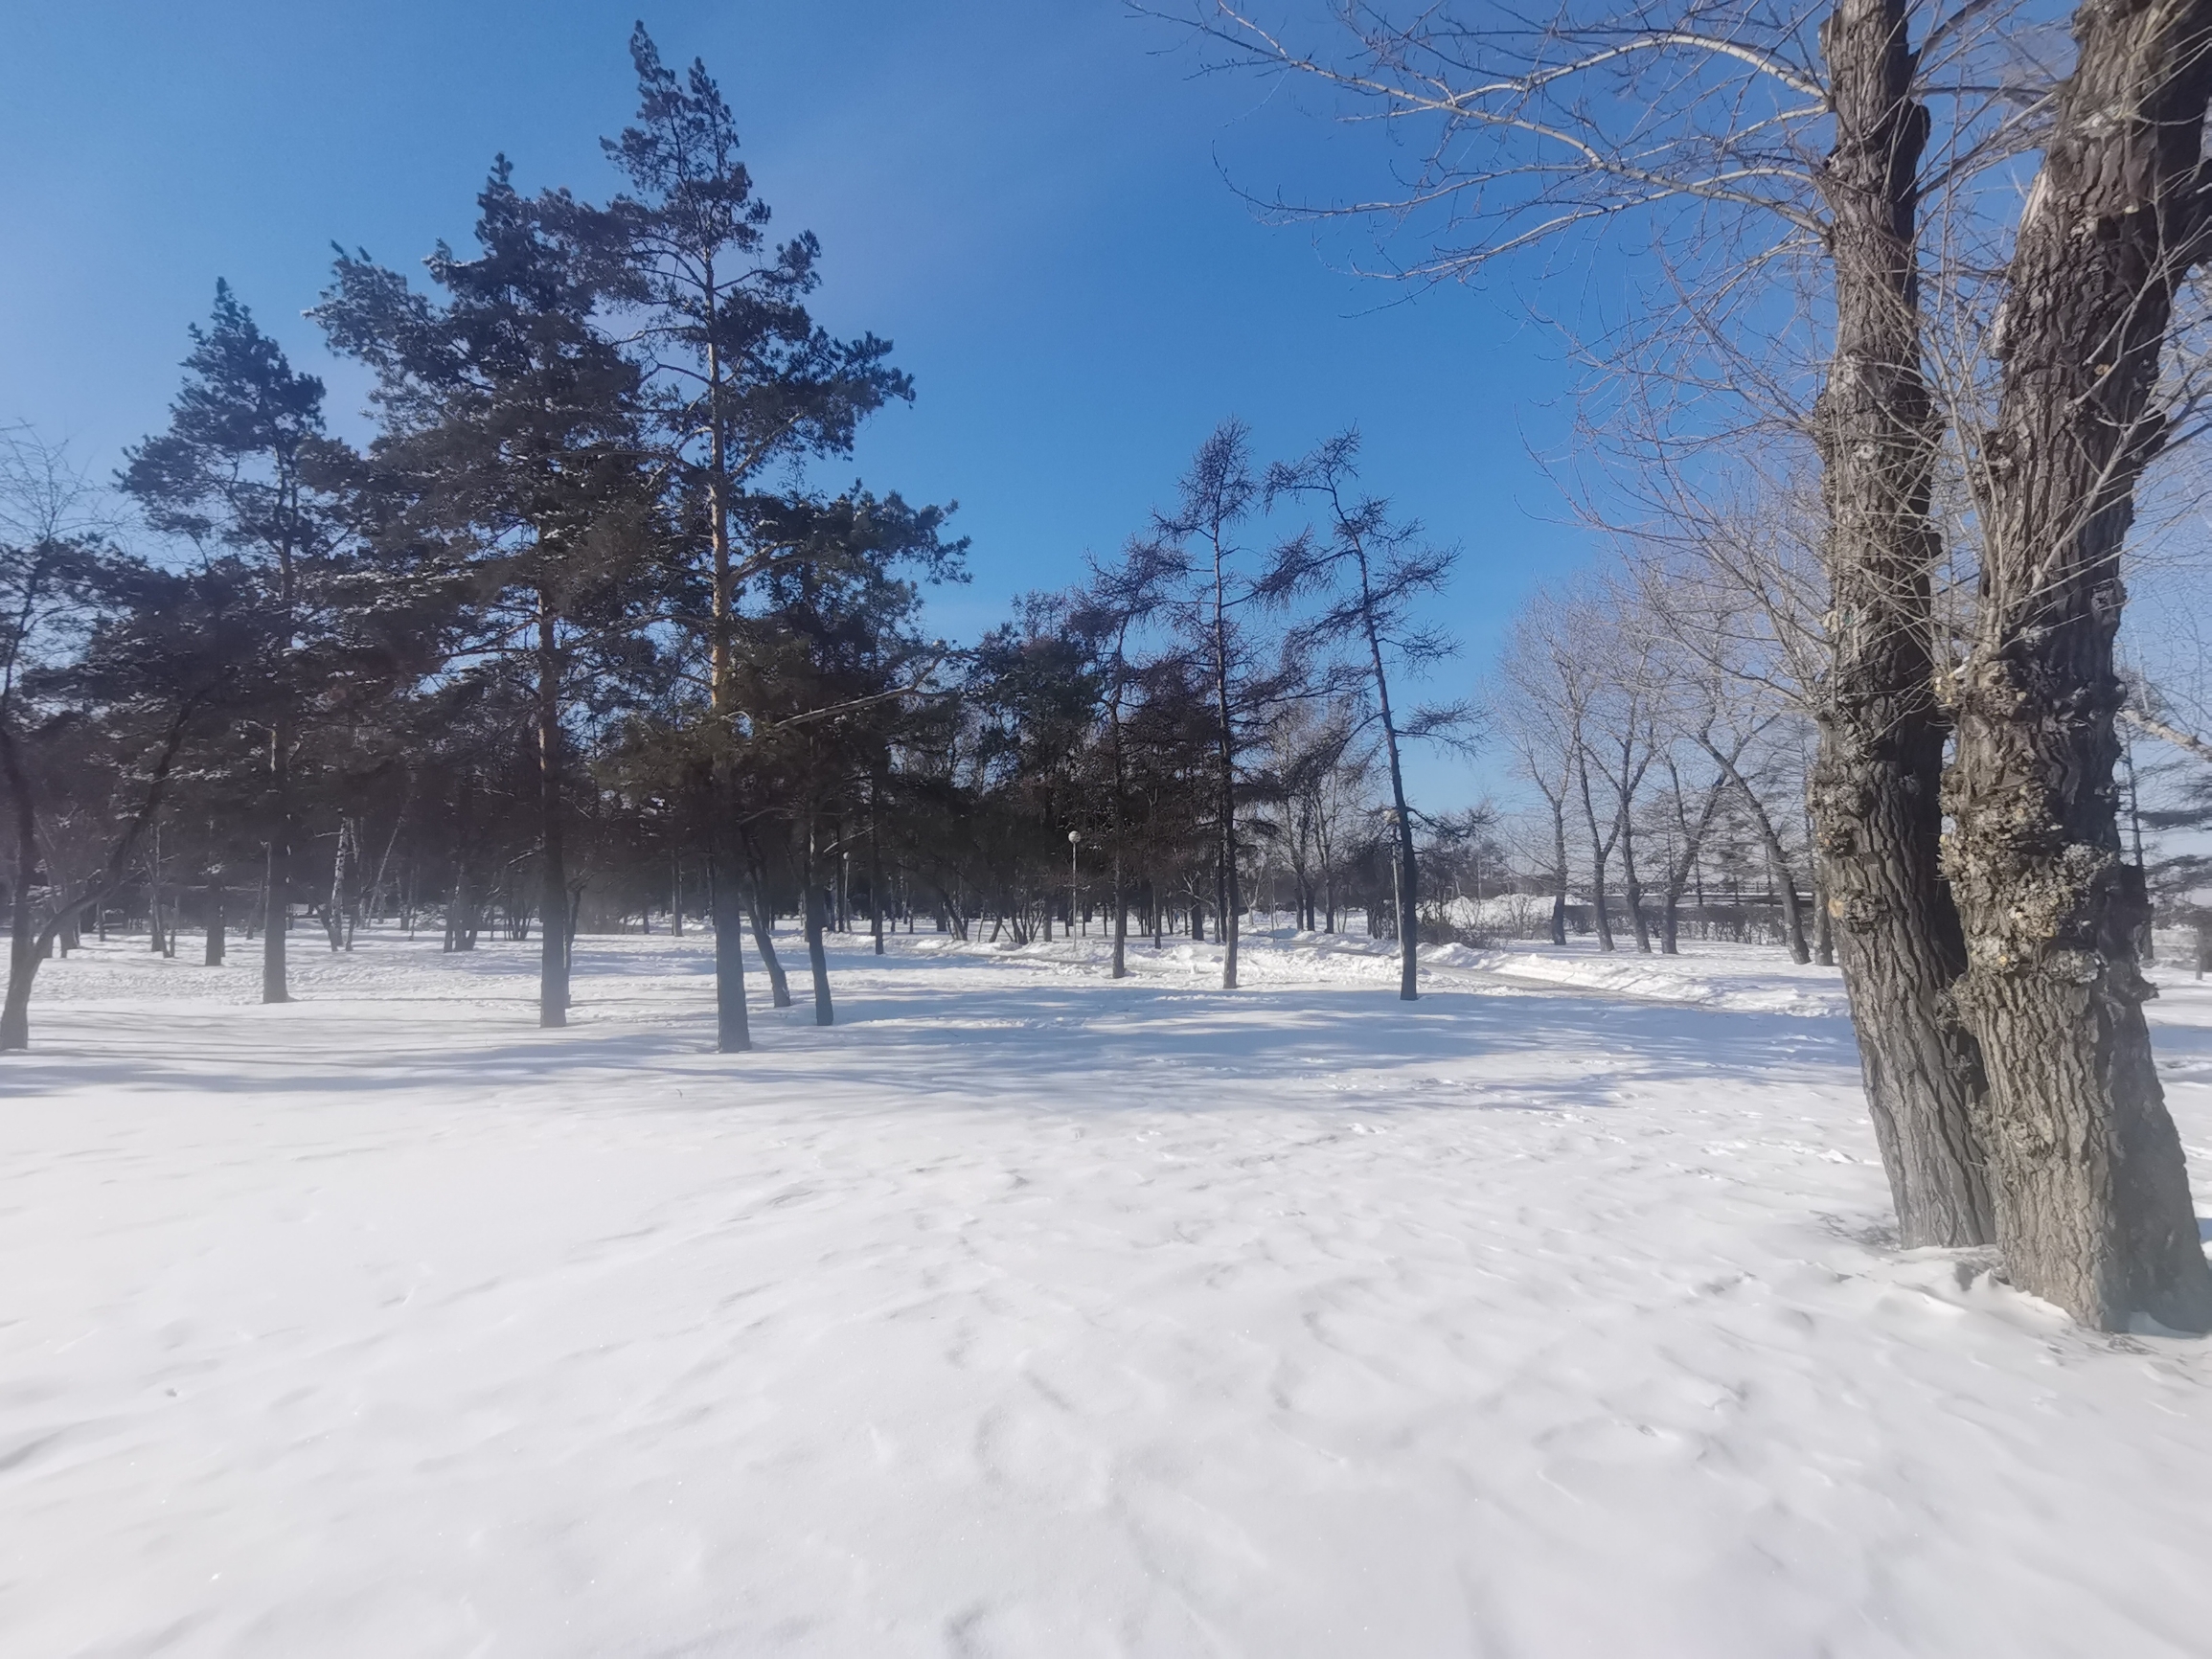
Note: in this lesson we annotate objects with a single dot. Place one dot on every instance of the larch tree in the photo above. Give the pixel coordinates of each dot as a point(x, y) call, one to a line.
point(1219, 494)
point(1109, 609)
point(1373, 574)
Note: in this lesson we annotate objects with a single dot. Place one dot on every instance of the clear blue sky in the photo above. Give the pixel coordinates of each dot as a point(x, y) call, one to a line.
point(1028, 196)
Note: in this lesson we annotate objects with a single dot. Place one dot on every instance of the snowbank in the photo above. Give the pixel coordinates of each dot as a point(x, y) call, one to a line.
point(1749, 979)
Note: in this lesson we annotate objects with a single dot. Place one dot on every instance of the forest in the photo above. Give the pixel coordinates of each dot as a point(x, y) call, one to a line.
point(576, 643)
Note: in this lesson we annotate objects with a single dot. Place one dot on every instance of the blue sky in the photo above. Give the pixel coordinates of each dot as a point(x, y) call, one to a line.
point(1031, 198)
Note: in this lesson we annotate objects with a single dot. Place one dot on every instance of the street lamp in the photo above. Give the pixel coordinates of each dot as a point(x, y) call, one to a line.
point(1073, 836)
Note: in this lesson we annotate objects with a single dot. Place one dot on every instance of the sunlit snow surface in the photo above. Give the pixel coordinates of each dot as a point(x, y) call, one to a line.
point(1024, 1312)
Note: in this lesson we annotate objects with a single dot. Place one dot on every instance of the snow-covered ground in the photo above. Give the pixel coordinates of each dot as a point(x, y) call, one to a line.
point(1025, 1313)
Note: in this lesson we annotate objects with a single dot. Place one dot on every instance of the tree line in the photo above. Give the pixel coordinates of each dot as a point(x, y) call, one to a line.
point(577, 637)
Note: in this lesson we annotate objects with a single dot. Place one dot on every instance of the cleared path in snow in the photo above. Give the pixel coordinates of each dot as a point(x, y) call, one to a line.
point(1029, 1313)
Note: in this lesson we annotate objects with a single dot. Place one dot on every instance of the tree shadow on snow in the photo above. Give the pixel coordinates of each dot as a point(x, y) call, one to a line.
point(909, 1028)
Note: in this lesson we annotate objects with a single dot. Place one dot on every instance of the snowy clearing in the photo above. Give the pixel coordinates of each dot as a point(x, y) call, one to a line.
point(1028, 1313)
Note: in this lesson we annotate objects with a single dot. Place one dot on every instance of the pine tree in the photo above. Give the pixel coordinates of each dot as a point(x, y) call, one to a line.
point(228, 474)
point(743, 380)
point(512, 458)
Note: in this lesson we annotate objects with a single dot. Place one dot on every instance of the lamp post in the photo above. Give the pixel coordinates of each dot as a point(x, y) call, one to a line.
point(1073, 836)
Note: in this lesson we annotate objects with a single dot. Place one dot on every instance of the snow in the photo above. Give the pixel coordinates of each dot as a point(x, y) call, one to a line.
point(1026, 1312)
point(1743, 980)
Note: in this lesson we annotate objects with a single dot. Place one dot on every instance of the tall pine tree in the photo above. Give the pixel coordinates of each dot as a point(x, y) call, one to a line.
point(743, 380)
point(512, 457)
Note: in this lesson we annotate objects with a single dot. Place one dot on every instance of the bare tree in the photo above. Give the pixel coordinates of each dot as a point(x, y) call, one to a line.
point(1621, 737)
point(1686, 838)
point(2094, 1207)
point(1779, 163)
point(1566, 714)
point(1543, 705)
point(1701, 709)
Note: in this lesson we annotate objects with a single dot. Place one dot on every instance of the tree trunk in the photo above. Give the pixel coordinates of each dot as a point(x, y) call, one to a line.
point(1632, 887)
point(733, 1028)
point(213, 957)
point(765, 926)
point(817, 959)
point(279, 877)
point(1777, 861)
point(1227, 900)
point(1600, 852)
point(1874, 796)
point(874, 875)
point(1558, 921)
point(15, 1009)
point(335, 918)
point(26, 946)
point(1785, 882)
point(553, 871)
point(2093, 1205)
point(1120, 921)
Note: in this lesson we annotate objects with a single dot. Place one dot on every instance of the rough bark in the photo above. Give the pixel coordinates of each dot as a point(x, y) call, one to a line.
point(1875, 792)
point(2093, 1206)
